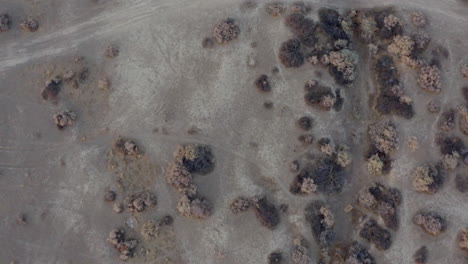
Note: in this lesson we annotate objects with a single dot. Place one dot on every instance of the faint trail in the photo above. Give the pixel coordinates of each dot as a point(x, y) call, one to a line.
point(59, 41)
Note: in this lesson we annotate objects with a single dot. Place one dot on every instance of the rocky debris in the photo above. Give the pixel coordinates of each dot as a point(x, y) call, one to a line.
point(226, 30)
point(434, 106)
point(150, 229)
point(321, 221)
point(109, 196)
point(384, 136)
point(358, 254)
point(52, 88)
point(391, 98)
point(127, 148)
point(377, 235)
point(180, 179)
point(64, 119)
point(5, 22)
point(420, 256)
point(104, 83)
point(447, 120)
point(117, 208)
point(240, 204)
point(418, 19)
point(126, 247)
point(464, 70)
point(300, 253)
point(140, 201)
point(305, 123)
point(21, 219)
point(112, 51)
point(343, 66)
point(428, 178)
point(275, 9)
point(275, 258)
point(431, 222)
point(207, 43)
point(383, 201)
point(267, 213)
point(291, 54)
point(29, 25)
point(319, 95)
point(303, 28)
point(262, 83)
point(429, 79)
point(196, 208)
point(461, 182)
point(463, 239)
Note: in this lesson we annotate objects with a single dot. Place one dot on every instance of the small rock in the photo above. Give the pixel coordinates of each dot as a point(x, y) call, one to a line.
point(262, 83)
point(118, 208)
point(207, 43)
point(112, 51)
point(52, 88)
point(64, 119)
point(420, 256)
point(275, 258)
point(240, 204)
point(109, 196)
point(5, 22)
point(104, 83)
point(29, 25)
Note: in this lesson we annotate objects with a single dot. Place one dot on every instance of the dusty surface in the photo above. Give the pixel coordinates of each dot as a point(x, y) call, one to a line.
point(167, 90)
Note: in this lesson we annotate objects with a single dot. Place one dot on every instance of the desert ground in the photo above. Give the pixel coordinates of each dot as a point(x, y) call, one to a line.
point(164, 89)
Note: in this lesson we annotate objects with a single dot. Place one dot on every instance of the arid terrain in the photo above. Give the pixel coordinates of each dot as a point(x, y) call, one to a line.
point(209, 132)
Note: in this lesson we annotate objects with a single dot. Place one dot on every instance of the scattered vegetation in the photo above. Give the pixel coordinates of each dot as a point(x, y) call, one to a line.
point(377, 235)
point(225, 31)
point(321, 220)
point(431, 222)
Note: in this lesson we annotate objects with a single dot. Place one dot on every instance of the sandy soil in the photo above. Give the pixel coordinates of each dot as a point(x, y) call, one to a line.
point(164, 86)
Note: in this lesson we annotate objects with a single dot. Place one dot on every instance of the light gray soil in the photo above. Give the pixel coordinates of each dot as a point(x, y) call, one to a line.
point(163, 83)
